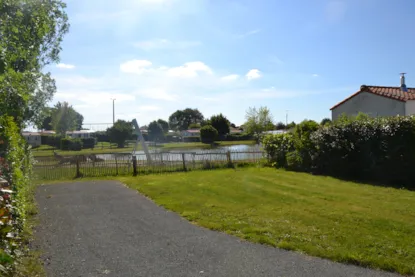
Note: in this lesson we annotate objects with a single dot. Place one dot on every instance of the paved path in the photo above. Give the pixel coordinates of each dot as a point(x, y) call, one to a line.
point(105, 229)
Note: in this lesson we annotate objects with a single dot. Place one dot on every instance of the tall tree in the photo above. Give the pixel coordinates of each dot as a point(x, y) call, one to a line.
point(258, 121)
point(30, 36)
point(79, 121)
point(221, 124)
point(325, 121)
point(155, 131)
point(120, 132)
point(181, 119)
point(63, 118)
point(280, 126)
point(164, 124)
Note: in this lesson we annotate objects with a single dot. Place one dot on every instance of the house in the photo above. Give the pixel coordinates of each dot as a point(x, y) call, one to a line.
point(378, 101)
point(234, 131)
point(275, 132)
point(190, 135)
point(33, 138)
point(79, 134)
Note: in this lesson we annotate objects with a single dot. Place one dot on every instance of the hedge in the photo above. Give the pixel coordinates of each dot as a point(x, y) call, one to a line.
point(16, 167)
point(71, 144)
point(377, 150)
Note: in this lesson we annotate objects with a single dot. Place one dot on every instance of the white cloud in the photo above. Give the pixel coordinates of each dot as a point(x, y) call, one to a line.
point(231, 77)
point(156, 93)
point(157, 44)
point(135, 66)
point(316, 75)
point(247, 34)
point(253, 74)
point(65, 66)
point(189, 70)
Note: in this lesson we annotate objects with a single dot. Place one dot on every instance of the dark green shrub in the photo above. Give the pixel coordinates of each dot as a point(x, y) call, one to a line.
point(208, 134)
point(88, 143)
point(238, 137)
point(71, 144)
point(65, 144)
point(295, 161)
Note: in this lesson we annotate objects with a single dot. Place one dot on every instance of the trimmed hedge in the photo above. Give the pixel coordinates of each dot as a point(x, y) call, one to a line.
point(71, 144)
point(377, 150)
point(237, 137)
point(88, 143)
point(208, 134)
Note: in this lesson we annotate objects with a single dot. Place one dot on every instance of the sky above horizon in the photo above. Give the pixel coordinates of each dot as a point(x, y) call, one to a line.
point(157, 56)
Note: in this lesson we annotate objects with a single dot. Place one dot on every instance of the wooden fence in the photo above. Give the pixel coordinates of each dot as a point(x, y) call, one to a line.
point(52, 168)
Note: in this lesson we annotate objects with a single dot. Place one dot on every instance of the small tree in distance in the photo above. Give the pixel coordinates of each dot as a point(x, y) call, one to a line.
point(258, 121)
point(208, 134)
point(155, 131)
point(120, 132)
point(221, 124)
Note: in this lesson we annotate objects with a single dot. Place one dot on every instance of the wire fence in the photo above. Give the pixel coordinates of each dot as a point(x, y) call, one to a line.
point(94, 165)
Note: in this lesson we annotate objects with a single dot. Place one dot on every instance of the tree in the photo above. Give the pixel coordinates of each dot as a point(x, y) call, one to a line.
point(46, 123)
point(79, 121)
point(221, 124)
point(30, 36)
point(63, 118)
point(155, 131)
point(181, 119)
point(208, 134)
point(258, 121)
point(194, 126)
point(325, 121)
point(120, 132)
point(164, 124)
point(233, 125)
point(280, 126)
point(290, 125)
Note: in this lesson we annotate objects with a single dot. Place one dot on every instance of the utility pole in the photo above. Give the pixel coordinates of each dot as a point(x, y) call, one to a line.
point(113, 110)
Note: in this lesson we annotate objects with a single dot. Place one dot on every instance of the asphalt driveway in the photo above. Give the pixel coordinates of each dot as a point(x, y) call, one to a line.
point(103, 228)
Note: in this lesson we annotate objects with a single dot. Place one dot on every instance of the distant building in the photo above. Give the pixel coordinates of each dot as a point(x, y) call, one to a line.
point(276, 132)
point(190, 135)
point(234, 131)
point(33, 138)
point(378, 101)
point(79, 134)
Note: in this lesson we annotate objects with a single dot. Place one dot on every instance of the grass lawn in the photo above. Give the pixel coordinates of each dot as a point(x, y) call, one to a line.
point(45, 150)
point(320, 216)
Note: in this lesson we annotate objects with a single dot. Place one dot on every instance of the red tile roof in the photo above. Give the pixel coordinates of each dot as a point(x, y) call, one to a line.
point(389, 92)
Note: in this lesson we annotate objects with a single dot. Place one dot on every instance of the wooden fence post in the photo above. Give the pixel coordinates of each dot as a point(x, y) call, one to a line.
point(116, 165)
point(184, 162)
point(78, 172)
point(134, 165)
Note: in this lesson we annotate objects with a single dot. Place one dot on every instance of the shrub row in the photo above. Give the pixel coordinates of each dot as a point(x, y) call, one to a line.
point(15, 167)
point(378, 150)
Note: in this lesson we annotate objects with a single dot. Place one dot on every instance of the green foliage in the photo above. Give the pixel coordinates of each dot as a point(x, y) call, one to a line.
point(71, 144)
point(101, 136)
point(16, 167)
point(220, 123)
point(325, 121)
point(64, 118)
point(238, 137)
point(88, 143)
point(280, 126)
point(208, 134)
point(378, 150)
point(164, 125)
point(155, 131)
point(277, 147)
point(290, 125)
point(195, 126)
point(258, 121)
point(31, 33)
point(181, 119)
point(120, 132)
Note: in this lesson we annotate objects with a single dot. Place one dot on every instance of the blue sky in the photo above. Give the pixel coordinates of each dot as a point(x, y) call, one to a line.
point(157, 56)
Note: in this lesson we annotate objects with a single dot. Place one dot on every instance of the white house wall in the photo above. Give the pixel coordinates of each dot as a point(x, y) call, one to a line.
point(371, 104)
point(410, 107)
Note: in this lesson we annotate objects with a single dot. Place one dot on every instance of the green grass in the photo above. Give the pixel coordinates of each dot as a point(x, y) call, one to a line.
point(321, 216)
point(45, 150)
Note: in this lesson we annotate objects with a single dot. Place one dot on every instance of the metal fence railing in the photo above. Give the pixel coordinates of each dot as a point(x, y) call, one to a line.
point(95, 165)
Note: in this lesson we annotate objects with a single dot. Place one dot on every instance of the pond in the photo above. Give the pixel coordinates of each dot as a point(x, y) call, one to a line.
point(236, 152)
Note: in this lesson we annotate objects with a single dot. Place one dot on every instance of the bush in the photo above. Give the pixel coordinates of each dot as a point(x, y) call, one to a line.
point(208, 134)
point(238, 137)
point(71, 144)
point(379, 150)
point(101, 136)
point(52, 140)
point(88, 143)
point(16, 167)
